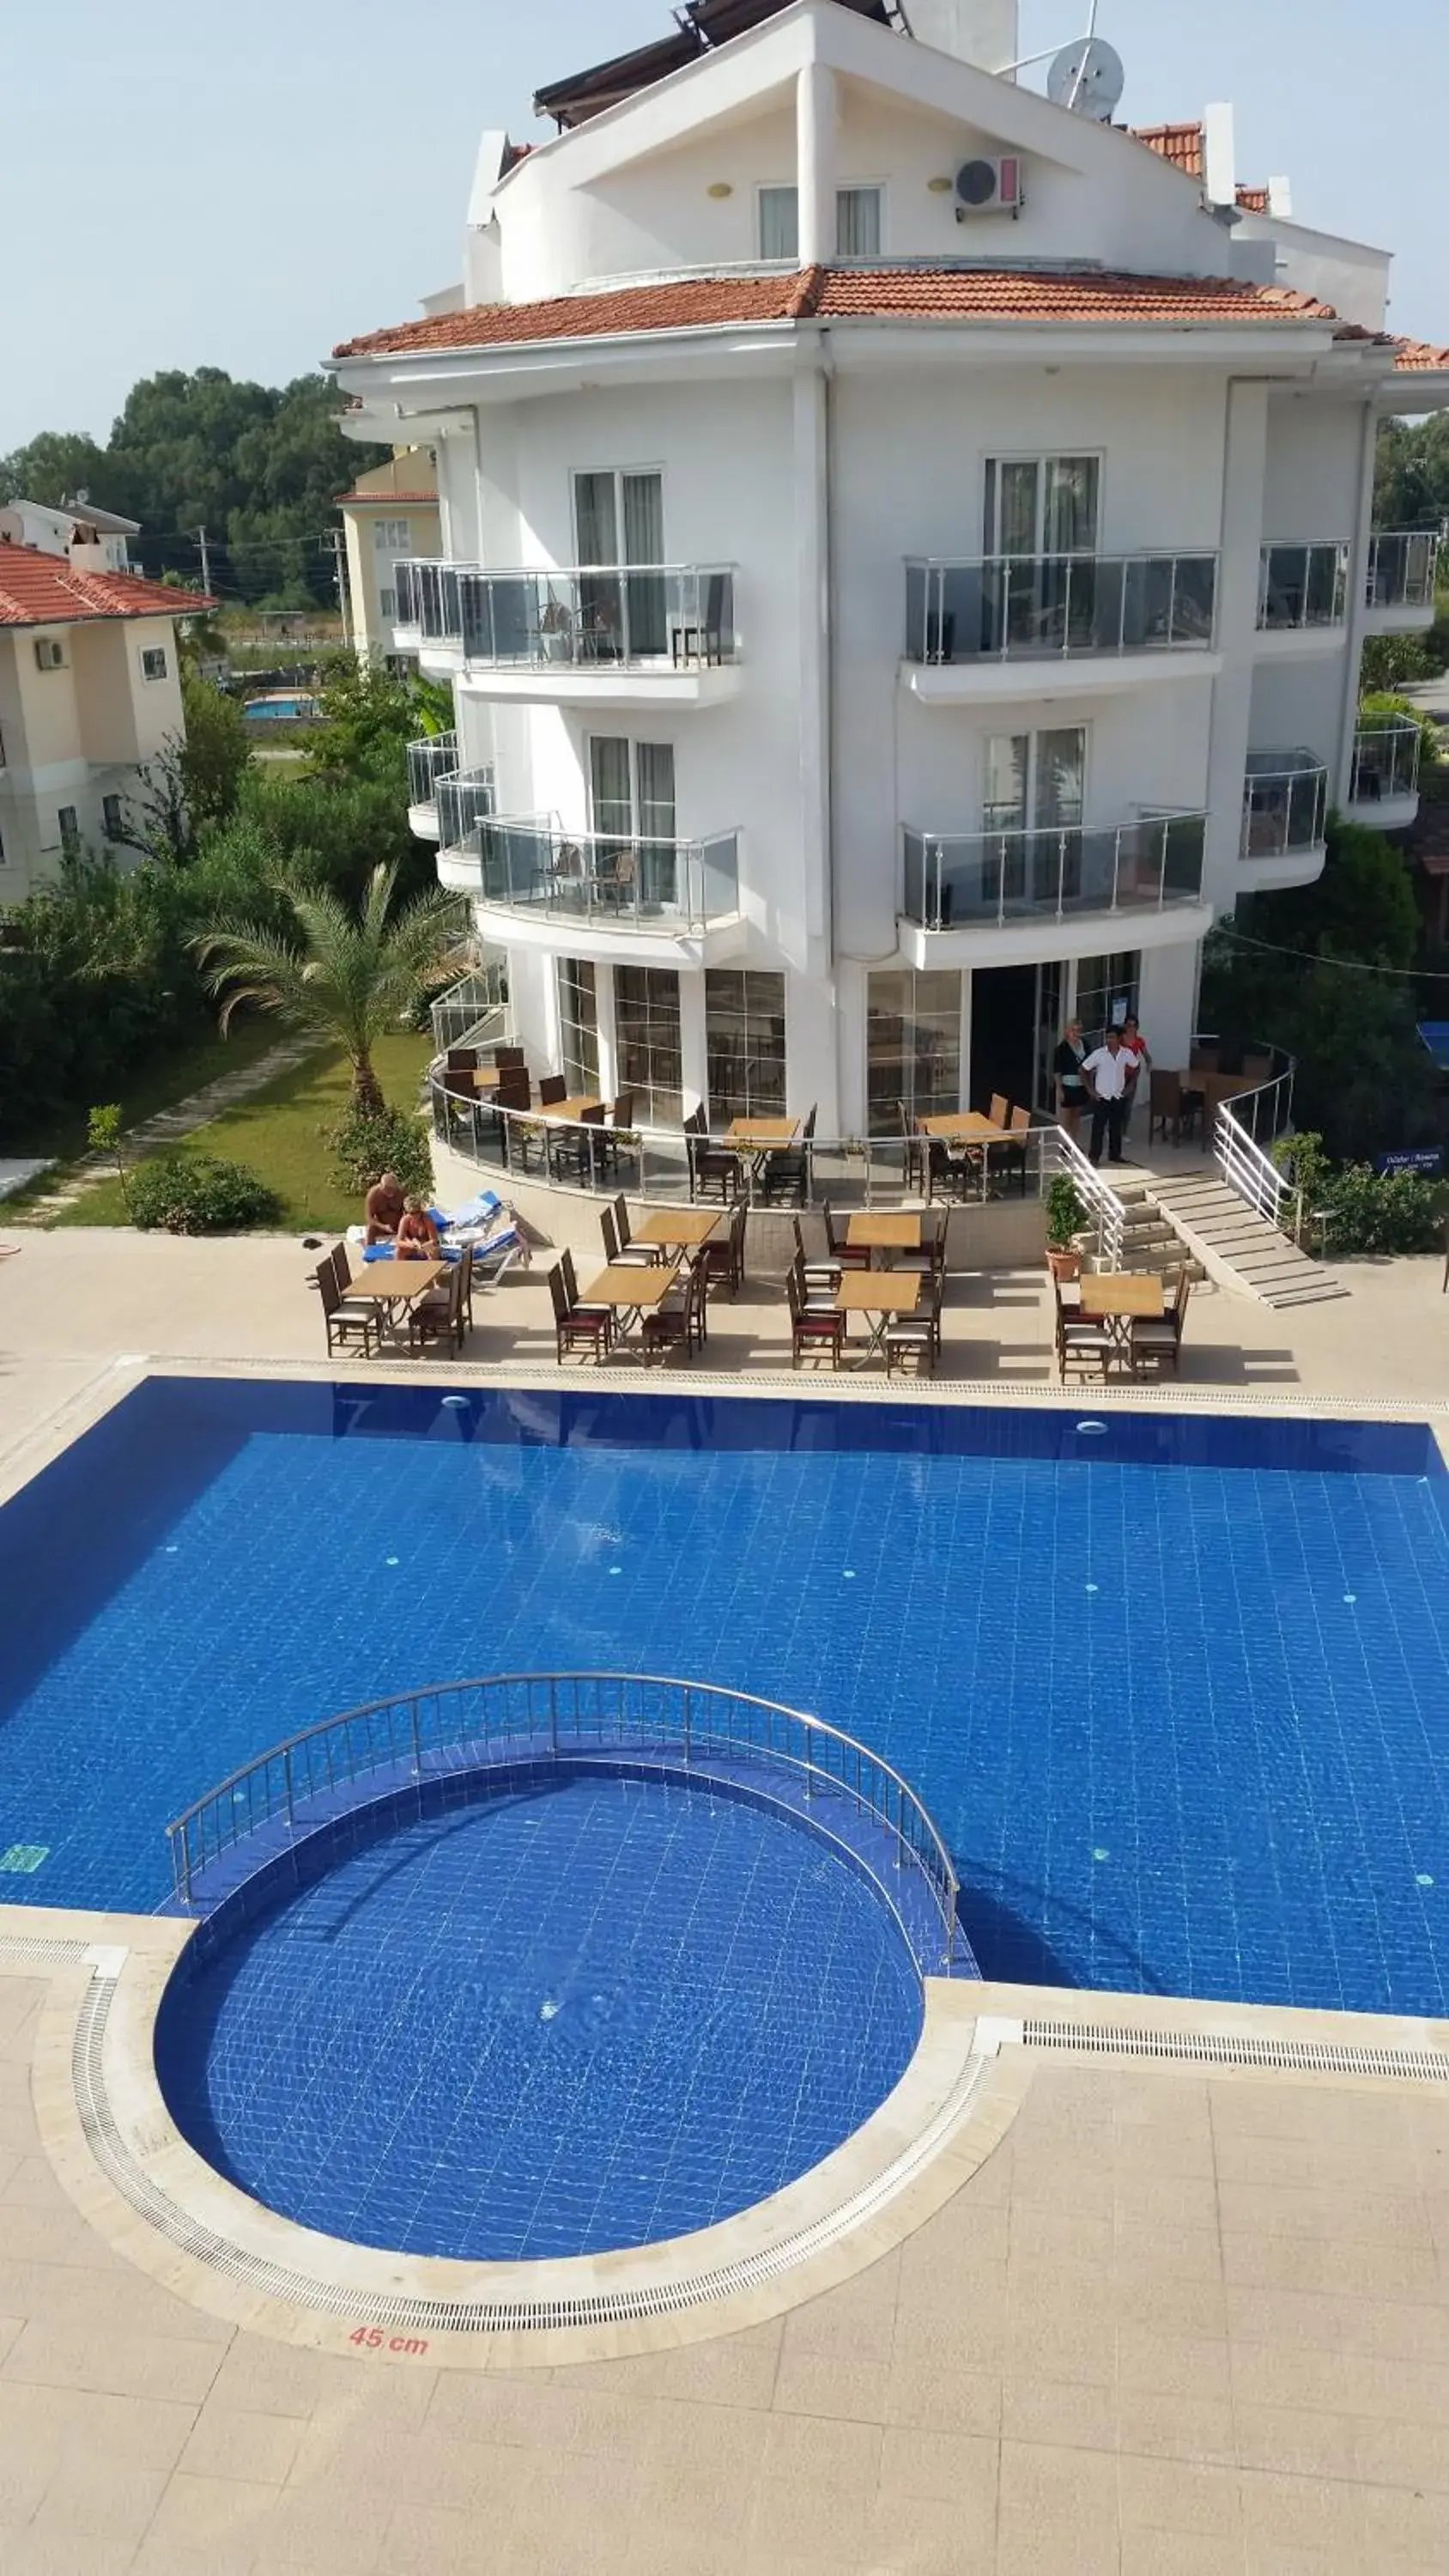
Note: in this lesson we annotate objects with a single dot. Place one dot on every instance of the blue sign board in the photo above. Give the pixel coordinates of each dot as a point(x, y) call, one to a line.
point(1428, 1159)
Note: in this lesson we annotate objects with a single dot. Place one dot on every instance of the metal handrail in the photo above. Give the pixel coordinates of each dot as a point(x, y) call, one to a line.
point(1262, 1112)
point(1402, 568)
point(1106, 1210)
point(553, 1716)
point(430, 758)
point(955, 878)
point(1285, 803)
point(995, 607)
point(629, 881)
point(1300, 586)
point(474, 1011)
point(600, 617)
point(1386, 756)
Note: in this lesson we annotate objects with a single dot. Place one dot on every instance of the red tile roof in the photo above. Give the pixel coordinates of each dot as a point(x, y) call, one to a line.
point(45, 590)
point(944, 294)
point(1253, 201)
point(1182, 145)
point(1420, 357)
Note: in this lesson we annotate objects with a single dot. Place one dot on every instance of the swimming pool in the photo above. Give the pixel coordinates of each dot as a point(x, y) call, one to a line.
point(1173, 1689)
point(280, 710)
point(581, 2013)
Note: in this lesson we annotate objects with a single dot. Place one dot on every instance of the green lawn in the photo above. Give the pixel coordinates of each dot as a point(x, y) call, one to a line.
point(278, 1135)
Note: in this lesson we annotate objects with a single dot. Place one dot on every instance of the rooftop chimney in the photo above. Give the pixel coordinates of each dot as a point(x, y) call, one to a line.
point(983, 32)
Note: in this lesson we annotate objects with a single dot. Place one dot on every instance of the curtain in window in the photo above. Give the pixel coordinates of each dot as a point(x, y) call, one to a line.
point(612, 787)
point(779, 223)
point(1061, 766)
point(644, 544)
point(1070, 507)
point(857, 223)
point(595, 519)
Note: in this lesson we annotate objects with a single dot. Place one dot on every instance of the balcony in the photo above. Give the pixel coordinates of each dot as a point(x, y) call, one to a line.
point(1285, 815)
point(640, 634)
point(428, 760)
point(1116, 619)
point(1384, 783)
point(463, 800)
point(1302, 597)
point(614, 895)
point(1399, 590)
point(1018, 887)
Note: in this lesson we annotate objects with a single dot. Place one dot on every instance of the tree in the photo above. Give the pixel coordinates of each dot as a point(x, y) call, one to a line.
point(338, 974)
point(215, 754)
point(369, 716)
point(55, 466)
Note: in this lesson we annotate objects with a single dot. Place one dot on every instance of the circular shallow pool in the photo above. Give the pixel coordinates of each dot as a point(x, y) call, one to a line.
point(577, 2016)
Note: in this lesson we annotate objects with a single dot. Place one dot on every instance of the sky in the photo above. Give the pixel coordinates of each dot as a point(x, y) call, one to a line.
point(187, 184)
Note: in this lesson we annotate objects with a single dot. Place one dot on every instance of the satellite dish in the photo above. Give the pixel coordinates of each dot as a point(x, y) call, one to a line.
point(1087, 77)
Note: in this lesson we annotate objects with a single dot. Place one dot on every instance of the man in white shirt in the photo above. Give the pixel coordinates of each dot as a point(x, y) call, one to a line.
point(1107, 1071)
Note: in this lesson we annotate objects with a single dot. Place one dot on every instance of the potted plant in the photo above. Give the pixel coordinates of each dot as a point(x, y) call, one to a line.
point(1065, 1217)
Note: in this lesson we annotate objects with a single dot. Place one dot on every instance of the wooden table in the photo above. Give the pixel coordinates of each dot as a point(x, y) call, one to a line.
point(753, 1135)
point(1122, 1293)
point(486, 1077)
point(571, 1112)
point(967, 1127)
point(882, 1293)
point(394, 1282)
point(630, 1290)
point(678, 1229)
point(883, 1230)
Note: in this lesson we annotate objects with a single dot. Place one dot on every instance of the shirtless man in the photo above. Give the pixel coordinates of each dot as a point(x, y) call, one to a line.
point(384, 1209)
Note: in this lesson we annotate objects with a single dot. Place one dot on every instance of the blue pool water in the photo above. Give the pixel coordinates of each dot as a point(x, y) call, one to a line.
point(586, 2016)
point(1176, 1694)
point(278, 710)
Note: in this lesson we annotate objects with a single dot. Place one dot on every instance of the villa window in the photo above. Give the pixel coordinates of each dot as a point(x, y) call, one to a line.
point(578, 1026)
point(1042, 505)
point(1107, 991)
point(858, 223)
point(112, 817)
point(153, 662)
point(387, 601)
point(744, 1033)
point(646, 1024)
point(912, 1047)
point(1035, 782)
point(69, 822)
point(392, 536)
point(619, 521)
point(780, 223)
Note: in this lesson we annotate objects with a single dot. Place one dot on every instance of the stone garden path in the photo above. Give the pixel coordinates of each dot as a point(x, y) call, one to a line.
point(170, 1125)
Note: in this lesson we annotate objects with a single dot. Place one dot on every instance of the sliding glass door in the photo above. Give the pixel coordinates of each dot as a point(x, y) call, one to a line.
point(619, 521)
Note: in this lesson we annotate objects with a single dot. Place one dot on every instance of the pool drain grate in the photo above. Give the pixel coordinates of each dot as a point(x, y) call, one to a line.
point(471, 2316)
point(1213, 2048)
point(19, 1946)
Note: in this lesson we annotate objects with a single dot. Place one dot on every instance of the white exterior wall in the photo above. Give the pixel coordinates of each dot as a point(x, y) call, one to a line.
point(72, 737)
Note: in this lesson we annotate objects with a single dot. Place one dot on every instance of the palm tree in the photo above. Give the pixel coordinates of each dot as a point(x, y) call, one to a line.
point(347, 976)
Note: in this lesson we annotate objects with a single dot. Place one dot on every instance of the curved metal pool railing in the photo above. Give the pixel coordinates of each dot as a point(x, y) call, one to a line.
point(556, 1716)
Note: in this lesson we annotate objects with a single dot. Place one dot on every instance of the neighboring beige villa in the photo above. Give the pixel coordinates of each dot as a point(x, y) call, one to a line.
point(389, 515)
point(90, 688)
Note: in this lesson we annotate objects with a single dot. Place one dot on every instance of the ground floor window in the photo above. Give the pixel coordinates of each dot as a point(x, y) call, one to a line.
point(744, 1027)
point(1107, 991)
point(912, 1047)
point(578, 1027)
point(646, 1027)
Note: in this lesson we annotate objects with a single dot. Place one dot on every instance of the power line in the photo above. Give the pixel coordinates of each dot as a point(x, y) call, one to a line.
point(1345, 965)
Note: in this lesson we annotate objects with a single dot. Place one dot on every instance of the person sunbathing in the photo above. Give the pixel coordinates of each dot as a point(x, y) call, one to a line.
point(417, 1236)
point(384, 1210)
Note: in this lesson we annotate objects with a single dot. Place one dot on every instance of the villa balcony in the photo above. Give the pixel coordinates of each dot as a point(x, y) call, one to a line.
point(1285, 817)
point(428, 760)
point(1302, 598)
point(610, 895)
point(1384, 784)
point(1103, 622)
point(463, 800)
point(1002, 897)
point(619, 635)
point(1399, 592)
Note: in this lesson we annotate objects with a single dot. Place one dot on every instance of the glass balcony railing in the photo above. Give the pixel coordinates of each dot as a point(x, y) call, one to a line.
point(617, 881)
point(1302, 586)
point(1040, 606)
point(662, 617)
point(462, 800)
point(429, 760)
point(957, 881)
point(1402, 565)
point(1285, 803)
point(1386, 759)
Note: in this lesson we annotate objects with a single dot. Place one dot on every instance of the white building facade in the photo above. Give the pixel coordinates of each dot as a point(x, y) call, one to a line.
point(389, 516)
point(907, 556)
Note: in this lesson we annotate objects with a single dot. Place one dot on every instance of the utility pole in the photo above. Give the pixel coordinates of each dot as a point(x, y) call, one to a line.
point(335, 540)
point(205, 559)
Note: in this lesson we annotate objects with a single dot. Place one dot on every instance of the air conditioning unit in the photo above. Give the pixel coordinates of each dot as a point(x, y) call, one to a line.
point(989, 187)
point(49, 653)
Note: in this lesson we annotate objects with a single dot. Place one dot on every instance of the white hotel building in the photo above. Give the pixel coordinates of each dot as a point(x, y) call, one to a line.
point(907, 552)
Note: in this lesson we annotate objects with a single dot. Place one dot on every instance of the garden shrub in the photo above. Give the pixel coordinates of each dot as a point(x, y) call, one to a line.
point(198, 1194)
point(1364, 1211)
point(364, 1146)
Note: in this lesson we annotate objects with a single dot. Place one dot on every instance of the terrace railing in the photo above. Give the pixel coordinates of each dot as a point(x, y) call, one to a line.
point(1285, 803)
point(474, 1011)
point(652, 1163)
point(1301, 586)
point(1402, 566)
point(956, 880)
point(1386, 756)
point(1245, 1127)
point(600, 618)
point(999, 607)
point(464, 797)
point(556, 1717)
point(432, 757)
point(619, 881)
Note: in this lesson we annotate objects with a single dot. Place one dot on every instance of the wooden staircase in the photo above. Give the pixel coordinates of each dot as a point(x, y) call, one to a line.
point(1235, 1246)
